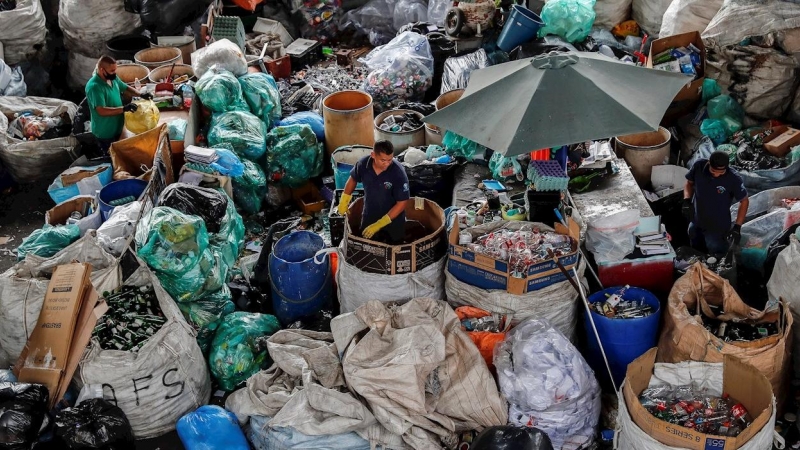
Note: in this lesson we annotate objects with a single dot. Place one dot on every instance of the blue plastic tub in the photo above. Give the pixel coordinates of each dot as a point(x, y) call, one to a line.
point(521, 27)
point(301, 284)
point(623, 339)
point(343, 159)
point(117, 190)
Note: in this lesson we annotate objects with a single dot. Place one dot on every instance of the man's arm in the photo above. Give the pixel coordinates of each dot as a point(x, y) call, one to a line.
point(397, 209)
point(688, 190)
point(742, 213)
point(350, 186)
point(107, 112)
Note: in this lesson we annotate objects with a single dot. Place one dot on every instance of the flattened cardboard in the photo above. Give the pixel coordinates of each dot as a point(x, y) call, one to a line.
point(688, 99)
point(72, 178)
point(69, 313)
point(742, 381)
point(377, 257)
point(488, 273)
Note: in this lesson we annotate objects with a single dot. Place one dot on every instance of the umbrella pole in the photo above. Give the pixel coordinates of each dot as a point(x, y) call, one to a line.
point(579, 287)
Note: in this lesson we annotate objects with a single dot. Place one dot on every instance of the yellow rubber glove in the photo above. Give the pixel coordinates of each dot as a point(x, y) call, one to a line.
point(375, 227)
point(344, 203)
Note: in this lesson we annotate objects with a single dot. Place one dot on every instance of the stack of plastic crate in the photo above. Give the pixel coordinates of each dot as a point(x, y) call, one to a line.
point(230, 28)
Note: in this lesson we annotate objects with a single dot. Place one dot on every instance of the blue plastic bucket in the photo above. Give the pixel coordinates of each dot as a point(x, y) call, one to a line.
point(623, 339)
point(521, 27)
point(343, 159)
point(300, 276)
point(117, 190)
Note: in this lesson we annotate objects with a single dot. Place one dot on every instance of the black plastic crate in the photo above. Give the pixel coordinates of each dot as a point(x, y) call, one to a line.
point(335, 220)
point(304, 52)
point(540, 206)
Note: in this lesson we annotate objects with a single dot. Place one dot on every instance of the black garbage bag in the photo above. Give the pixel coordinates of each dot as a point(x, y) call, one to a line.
point(320, 321)
point(94, 424)
point(208, 204)
point(441, 49)
point(276, 231)
point(432, 181)
point(22, 410)
point(508, 437)
point(425, 109)
point(167, 17)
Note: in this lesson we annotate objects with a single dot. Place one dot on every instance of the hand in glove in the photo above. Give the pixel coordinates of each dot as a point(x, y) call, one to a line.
point(377, 226)
point(735, 234)
point(130, 107)
point(344, 203)
point(147, 96)
point(687, 209)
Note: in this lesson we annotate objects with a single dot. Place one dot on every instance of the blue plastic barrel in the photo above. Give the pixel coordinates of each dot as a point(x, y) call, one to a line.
point(343, 159)
point(301, 283)
point(623, 339)
point(117, 190)
point(521, 27)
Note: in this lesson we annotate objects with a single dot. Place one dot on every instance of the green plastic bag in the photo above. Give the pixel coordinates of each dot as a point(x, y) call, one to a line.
point(710, 90)
point(294, 155)
point(730, 149)
point(219, 90)
point(170, 241)
point(48, 240)
point(726, 109)
point(715, 129)
point(503, 167)
point(570, 19)
point(242, 130)
point(239, 349)
point(459, 146)
point(250, 188)
point(206, 277)
point(262, 96)
point(228, 242)
point(206, 315)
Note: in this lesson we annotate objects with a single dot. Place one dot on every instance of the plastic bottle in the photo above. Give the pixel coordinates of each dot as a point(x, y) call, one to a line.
point(188, 96)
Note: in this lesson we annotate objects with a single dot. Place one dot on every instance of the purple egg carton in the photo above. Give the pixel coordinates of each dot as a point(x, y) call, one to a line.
point(548, 168)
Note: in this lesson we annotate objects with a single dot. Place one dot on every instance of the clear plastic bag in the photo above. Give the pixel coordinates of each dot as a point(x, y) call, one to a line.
point(437, 10)
point(220, 91)
point(546, 381)
point(114, 233)
point(228, 242)
point(457, 69)
point(401, 70)
point(250, 188)
point(504, 168)
point(240, 347)
point(207, 313)
point(177, 129)
point(570, 19)
point(170, 241)
point(262, 96)
point(294, 155)
point(374, 19)
point(224, 54)
point(48, 240)
point(211, 427)
point(409, 11)
point(145, 118)
point(611, 238)
point(202, 279)
point(242, 130)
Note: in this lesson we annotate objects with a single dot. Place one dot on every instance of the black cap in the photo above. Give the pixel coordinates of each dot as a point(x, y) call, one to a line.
point(719, 160)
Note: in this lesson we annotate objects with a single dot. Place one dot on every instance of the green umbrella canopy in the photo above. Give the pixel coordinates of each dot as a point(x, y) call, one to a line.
point(558, 99)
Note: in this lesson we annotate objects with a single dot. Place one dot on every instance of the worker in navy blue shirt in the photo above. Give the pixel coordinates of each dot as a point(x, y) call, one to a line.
point(385, 194)
point(715, 187)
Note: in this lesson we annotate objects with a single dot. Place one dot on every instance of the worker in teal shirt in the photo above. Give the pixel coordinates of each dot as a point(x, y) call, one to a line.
point(104, 96)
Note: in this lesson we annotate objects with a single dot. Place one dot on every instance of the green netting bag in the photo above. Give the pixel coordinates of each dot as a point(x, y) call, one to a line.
point(239, 349)
point(229, 240)
point(243, 131)
point(170, 241)
point(206, 315)
point(294, 155)
point(262, 96)
point(206, 277)
point(48, 240)
point(250, 188)
point(219, 90)
point(459, 146)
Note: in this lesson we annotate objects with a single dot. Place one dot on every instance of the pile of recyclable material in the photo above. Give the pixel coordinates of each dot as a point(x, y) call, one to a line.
point(133, 316)
point(730, 331)
point(521, 248)
point(616, 308)
point(686, 60)
point(686, 407)
point(547, 176)
point(398, 124)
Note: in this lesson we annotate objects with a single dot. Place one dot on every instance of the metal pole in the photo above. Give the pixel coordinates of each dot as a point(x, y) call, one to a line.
point(594, 328)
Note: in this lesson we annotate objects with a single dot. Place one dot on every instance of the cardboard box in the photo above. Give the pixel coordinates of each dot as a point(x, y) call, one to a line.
point(688, 99)
point(308, 198)
point(69, 313)
point(742, 381)
point(488, 273)
point(68, 179)
point(781, 141)
point(59, 214)
point(377, 257)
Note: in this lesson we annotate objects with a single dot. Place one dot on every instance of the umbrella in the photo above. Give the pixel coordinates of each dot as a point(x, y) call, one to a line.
point(558, 99)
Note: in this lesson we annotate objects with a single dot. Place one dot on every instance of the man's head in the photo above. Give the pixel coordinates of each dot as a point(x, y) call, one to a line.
point(718, 164)
point(382, 154)
point(107, 68)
